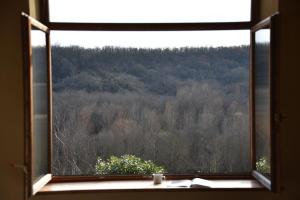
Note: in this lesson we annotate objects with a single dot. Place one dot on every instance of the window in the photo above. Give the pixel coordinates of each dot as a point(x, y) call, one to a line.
point(177, 98)
point(38, 102)
point(147, 82)
point(265, 115)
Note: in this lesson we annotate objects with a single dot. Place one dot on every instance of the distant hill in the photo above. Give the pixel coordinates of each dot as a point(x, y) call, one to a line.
point(159, 71)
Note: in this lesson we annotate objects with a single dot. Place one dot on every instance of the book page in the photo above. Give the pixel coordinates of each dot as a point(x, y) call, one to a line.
point(201, 183)
point(180, 183)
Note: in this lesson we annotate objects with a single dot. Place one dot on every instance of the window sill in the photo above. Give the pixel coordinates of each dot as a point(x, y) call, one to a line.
point(145, 185)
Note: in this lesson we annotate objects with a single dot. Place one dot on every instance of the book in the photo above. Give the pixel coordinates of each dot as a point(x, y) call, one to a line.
point(195, 183)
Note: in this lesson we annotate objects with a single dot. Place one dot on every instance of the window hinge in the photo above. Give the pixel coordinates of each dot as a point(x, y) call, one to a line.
point(22, 167)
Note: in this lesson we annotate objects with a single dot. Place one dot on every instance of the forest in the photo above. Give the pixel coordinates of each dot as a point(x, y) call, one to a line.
point(185, 109)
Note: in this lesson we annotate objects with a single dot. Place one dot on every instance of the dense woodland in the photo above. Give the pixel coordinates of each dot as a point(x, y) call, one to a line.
point(185, 108)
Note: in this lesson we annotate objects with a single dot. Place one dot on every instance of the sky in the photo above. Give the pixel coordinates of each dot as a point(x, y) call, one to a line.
point(38, 38)
point(147, 11)
point(151, 39)
point(263, 36)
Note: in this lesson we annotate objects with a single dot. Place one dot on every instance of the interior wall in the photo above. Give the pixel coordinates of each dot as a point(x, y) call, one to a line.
point(266, 8)
point(34, 8)
point(11, 100)
point(12, 115)
point(289, 96)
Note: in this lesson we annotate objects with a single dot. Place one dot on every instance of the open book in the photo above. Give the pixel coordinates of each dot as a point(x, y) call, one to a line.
point(195, 183)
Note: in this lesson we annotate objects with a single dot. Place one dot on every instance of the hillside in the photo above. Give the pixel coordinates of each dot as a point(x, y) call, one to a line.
point(185, 109)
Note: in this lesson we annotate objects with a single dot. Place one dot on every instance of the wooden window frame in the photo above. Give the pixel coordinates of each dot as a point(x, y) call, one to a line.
point(275, 117)
point(33, 186)
point(214, 26)
point(57, 26)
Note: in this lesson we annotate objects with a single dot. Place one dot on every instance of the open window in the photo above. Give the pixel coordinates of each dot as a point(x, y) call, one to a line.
point(264, 95)
point(232, 76)
point(38, 103)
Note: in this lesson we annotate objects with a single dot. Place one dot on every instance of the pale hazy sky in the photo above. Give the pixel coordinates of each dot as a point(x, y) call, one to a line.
point(146, 11)
point(149, 10)
point(151, 39)
point(263, 36)
point(38, 38)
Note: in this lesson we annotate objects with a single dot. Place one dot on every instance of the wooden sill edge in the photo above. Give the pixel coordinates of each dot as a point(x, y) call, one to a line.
point(145, 185)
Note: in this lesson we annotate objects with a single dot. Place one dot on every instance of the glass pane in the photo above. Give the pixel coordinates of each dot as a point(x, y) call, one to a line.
point(147, 11)
point(178, 99)
point(40, 104)
point(262, 101)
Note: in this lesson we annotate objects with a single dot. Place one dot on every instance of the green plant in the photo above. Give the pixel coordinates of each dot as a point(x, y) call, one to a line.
point(126, 165)
point(263, 166)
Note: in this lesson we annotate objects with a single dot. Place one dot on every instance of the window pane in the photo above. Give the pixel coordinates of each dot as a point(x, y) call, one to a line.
point(40, 104)
point(179, 99)
point(147, 11)
point(262, 101)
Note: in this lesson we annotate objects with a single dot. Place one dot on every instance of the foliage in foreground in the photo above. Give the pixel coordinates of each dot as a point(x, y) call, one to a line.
point(126, 165)
point(263, 166)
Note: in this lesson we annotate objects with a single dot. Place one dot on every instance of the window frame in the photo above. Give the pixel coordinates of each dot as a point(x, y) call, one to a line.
point(207, 26)
point(56, 26)
point(272, 184)
point(44, 7)
point(33, 186)
point(66, 26)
